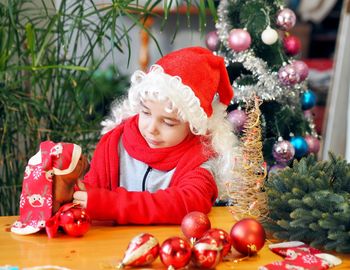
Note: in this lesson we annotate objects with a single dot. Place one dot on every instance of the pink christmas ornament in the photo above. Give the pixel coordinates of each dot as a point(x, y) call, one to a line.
point(239, 40)
point(292, 45)
point(313, 144)
point(288, 75)
point(237, 118)
point(286, 19)
point(301, 68)
point(212, 41)
point(308, 114)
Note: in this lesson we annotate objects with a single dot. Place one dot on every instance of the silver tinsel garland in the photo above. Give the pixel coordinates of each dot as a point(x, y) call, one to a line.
point(268, 86)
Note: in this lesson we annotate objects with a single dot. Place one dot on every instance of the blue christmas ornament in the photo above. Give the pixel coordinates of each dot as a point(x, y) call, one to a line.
point(300, 146)
point(308, 100)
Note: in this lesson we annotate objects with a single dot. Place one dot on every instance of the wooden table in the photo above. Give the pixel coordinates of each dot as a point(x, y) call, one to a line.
point(103, 246)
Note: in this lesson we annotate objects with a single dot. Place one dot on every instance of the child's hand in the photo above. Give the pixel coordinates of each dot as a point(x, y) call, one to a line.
point(80, 185)
point(81, 198)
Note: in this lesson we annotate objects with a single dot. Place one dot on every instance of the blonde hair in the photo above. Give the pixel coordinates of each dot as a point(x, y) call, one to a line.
point(157, 85)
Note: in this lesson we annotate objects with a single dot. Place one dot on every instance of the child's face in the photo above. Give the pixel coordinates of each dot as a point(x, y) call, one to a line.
point(161, 128)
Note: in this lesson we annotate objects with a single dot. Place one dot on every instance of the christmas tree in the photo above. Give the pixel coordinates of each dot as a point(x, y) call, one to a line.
point(262, 59)
point(247, 194)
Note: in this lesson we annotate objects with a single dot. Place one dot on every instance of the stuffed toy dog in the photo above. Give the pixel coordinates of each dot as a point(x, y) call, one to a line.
point(48, 183)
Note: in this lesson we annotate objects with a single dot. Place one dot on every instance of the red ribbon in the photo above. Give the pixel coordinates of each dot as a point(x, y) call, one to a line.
point(53, 223)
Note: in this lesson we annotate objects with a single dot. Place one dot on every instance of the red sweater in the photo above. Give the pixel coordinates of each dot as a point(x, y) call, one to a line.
point(192, 188)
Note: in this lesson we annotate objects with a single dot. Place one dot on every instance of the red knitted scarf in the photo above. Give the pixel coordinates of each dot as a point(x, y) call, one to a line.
point(163, 159)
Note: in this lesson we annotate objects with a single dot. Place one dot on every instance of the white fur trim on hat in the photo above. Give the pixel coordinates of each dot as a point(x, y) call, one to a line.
point(329, 258)
point(289, 244)
point(24, 230)
point(75, 158)
point(157, 84)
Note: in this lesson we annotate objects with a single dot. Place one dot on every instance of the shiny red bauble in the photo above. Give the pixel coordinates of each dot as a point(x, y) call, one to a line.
point(75, 221)
point(195, 224)
point(248, 236)
point(175, 252)
point(206, 253)
point(142, 250)
point(292, 45)
point(221, 237)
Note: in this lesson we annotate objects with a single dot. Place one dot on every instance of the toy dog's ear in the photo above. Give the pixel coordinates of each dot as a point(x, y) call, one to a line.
point(65, 157)
point(46, 157)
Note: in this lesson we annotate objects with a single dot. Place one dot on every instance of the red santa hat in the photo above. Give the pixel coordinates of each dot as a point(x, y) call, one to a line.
point(36, 197)
point(191, 78)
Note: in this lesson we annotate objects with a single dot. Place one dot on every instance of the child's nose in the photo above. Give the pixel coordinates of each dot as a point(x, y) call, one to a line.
point(152, 127)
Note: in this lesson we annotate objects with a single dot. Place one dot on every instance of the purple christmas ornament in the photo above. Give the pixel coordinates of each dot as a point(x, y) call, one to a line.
point(283, 151)
point(239, 40)
point(275, 168)
point(286, 19)
point(288, 75)
point(212, 41)
point(313, 144)
point(237, 118)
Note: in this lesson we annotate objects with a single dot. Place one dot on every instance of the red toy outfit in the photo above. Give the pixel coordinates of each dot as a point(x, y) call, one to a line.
point(191, 188)
point(299, 256)
point(36, 198)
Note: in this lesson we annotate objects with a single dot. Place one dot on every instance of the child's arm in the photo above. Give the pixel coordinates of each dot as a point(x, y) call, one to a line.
point(196, 191)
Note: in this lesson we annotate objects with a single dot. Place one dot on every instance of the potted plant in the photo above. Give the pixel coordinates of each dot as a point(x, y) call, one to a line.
point(51, 84)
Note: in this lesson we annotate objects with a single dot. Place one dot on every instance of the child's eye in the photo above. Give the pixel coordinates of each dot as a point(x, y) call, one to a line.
point(145, 112)
point(170, 124)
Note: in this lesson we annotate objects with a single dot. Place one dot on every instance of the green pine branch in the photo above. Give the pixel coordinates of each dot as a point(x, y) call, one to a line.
point(310, 202)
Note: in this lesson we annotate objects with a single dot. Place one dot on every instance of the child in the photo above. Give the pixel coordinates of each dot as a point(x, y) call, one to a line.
point(164, 145)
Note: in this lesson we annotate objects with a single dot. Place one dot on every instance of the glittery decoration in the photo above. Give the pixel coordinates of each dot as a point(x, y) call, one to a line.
point(268, 86)
point(247, 193)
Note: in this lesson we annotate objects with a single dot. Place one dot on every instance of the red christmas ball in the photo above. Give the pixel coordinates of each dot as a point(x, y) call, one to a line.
point(221, 237)
point(75, 221)
point(292, 45)
point(195, 224)
point(175, 252)
point(206, 253)
point(248, 236)
point(142, 250)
